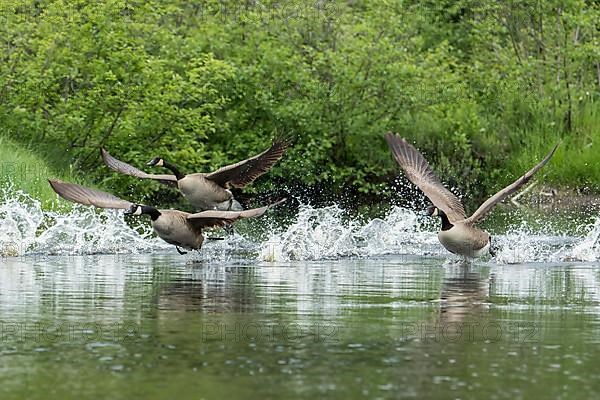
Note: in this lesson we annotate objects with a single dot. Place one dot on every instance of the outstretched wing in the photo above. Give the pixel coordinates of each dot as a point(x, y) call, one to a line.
point(487, 206)
point(124, 168)
point(212, 218)
point(91, 197)
point(421, 174)
point(245, 172)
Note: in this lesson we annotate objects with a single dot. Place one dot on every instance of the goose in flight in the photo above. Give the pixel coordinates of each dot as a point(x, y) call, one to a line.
point(209, 191)
point(175, 227)
point(459, 233)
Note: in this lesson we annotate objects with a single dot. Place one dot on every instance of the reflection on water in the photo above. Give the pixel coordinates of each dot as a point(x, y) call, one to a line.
point(126, 326)
point(464, 292)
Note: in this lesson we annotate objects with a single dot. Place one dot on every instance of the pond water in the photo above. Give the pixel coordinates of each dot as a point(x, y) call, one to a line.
point(327, 307)
point(135, 326)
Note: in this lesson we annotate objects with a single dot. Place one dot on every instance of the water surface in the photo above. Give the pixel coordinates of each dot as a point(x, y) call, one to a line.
point(324, 306)
point(155, 326)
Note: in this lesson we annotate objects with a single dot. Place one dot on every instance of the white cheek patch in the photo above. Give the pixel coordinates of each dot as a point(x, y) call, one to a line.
point(160, 163)
point(436, 212)
point(138, 211)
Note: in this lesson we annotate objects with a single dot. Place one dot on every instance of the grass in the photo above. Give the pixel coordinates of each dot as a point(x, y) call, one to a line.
point(27, 171)
point(575, 163)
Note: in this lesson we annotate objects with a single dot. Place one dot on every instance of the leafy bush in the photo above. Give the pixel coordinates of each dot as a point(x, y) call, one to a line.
point(484, 89)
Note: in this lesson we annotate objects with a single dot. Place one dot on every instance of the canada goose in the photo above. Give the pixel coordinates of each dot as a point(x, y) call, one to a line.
point(459, 234)
point(209, 191)
point(174, 227)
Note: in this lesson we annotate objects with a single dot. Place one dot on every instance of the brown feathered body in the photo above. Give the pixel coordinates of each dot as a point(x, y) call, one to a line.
point(205, 194)
point(173, 227)
point(466, 240)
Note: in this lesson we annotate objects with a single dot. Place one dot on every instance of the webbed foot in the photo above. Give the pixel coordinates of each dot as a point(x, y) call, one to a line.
point(180, 251)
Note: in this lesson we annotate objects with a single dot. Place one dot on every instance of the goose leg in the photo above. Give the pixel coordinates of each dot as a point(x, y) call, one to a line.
point(492, 248)
point(180, 251)
point(229, 227)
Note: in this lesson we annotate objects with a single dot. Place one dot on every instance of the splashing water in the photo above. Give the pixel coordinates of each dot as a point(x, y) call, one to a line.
point(321, 233)
point(315, 234)
point(587, 249)
point(28, 230)
point(522, 245)
point(324, 233)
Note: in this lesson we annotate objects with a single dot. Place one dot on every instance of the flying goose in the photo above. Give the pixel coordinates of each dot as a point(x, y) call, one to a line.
point(459, 235)
point(175, 227)
point(209, 191)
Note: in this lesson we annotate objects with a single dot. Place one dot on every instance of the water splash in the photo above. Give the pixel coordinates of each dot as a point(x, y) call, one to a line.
point(588, 249)
point(322, 233)
point(315, 234)
point(19, 215)
point(521, 246)
point(229, 249)
point(29, 230)
point(325, 233)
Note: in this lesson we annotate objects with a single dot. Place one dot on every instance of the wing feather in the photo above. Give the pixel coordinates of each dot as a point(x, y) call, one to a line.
point(212, 218)
point(419, 172)
point(245, 172)
point(91, 197)
point(124, 168)
point(487, 206)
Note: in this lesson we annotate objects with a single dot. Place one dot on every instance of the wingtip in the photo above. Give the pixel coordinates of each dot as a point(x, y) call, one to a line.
point(278, 202)
point(285, 139)
point(547, 158)
point(392, 138)
point(106, 157)
point(54, 182)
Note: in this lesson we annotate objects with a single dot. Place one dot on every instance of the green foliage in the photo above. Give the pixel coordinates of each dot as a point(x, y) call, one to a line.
point(22, 169)
point(484, 89)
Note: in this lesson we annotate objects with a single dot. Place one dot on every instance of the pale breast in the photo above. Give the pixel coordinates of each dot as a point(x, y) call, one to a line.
point(465, 240)
point(172, 227)
point(203, 193)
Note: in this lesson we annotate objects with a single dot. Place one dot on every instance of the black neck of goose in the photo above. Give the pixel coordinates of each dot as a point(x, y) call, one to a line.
point(174, 170)
point(151, 211)
point(445, 222)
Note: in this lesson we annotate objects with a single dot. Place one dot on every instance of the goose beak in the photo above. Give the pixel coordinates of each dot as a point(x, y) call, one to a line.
point(131, 210)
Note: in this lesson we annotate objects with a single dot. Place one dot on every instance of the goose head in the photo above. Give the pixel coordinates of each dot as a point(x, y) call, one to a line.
point(432, 211)
point(134, 209)
point(138, 209)
point(156, 161)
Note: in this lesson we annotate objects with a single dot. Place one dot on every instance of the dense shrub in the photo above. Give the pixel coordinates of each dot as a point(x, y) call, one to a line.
point(484, 88)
